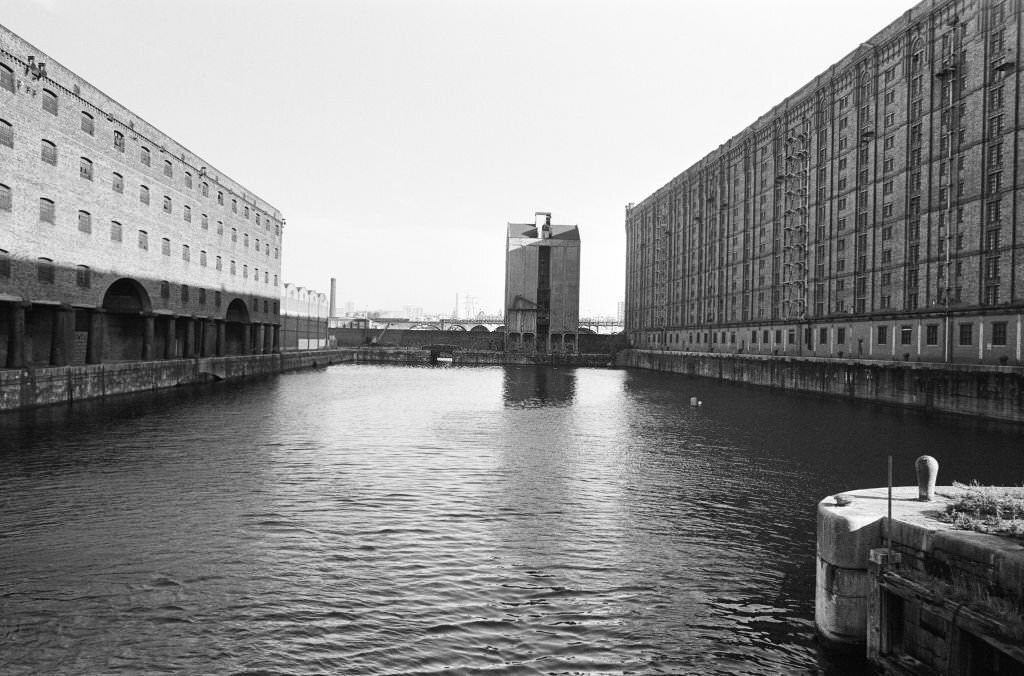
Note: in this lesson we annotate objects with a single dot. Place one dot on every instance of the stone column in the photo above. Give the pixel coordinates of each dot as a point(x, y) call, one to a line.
point(204, 337)
point(189, 350)
point(94, 345)
point(60, 345)
point(276, 346)
point(221, 337)
point(247, 339)
point(259, 339)
point(16, 337)
point(148, 331)
point(268, 339)
point(170, 339)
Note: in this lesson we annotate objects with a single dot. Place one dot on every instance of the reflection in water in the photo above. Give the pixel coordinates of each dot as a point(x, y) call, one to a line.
point(375, 519)
point(539, 386)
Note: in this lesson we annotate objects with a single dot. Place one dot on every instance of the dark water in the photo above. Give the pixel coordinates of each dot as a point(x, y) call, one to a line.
point(391, 520)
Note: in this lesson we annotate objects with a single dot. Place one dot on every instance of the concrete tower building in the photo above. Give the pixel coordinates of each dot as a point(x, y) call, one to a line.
point(118, 243)
point(542, 286)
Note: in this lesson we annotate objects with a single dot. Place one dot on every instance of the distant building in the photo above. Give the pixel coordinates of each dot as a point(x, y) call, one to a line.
point(304, 318)
point(542, 286)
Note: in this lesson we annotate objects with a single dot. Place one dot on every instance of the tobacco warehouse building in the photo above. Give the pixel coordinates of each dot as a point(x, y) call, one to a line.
point(116, 242)
point(874, 213)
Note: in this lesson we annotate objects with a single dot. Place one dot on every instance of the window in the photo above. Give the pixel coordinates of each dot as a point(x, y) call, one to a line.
point(883, 335)
point(822, 336)
point(245, 240)
point(205, 221)
point(232, 267)
point(234, 206)
point(219, 263)
point(220, 227)
point(202, 296)
point(188, 180)
point(234, 234)
point(168, 169)
point(49, 152)
point(965, 333)
point(49, 102)
point(85, 168)
point(931, 334)
point(144, 155)
point(186, 253)
point(890, 119)
point(906, 335)
point(206, 189)
point(119, 141)
point(6, 134)
point(83, 278)
point(887, 188)
point(245, 271)
point(117, 182)
point(144, 194)
point(184, 293)
point(220, 197)
point(999, 333)
point(6, 78)
point(44, 270)
point(202, 258)
point(887, 165)
point(115, 231)
point(88, 125)
point(165, 289)
point(5, 260)
point(247, 213)
point(143, 240)
point(84, 221)
point(841, 335)
point(187, 213)
point(47, 211)
point(167, 204)
point(165, 246)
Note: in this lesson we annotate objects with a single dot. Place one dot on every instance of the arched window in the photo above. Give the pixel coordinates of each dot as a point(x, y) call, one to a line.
point(88, 124)
point(84, 221)
point(119, 141)
point(144, 194)
point(5, 198)
point(165, 246)
point(168, 169)
point(167, 204)
point(83, 276)
point(44, 270)
point(47, 211)
point(49, 102)
point(48, 152)
point(187, 213)
point(143, 240)
point(165, 289)
point(6, 78)
point(144, 155)
point(117, 182)
point(6, 134)
point(115, 231)
point(85, 168)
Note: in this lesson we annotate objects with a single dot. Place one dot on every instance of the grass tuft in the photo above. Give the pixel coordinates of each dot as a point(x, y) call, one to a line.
point(997, 510)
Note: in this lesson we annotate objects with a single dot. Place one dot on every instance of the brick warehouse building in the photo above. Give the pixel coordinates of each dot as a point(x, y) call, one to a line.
point(874, 213)
point(116, 242)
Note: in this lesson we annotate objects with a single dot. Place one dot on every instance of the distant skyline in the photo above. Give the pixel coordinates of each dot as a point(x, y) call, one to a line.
point(398, 137)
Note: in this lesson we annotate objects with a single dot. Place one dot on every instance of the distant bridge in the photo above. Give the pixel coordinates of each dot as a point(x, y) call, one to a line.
point(482, 325)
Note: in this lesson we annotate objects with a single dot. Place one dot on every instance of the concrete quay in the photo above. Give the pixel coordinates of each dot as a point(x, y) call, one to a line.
point(976, 390)
point(917, 595)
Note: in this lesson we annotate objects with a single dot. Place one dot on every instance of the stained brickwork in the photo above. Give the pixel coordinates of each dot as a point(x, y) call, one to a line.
point(878, 203)
point(90, 194)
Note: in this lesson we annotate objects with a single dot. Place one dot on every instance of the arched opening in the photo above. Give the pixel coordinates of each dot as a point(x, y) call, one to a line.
point(456, 327)
point(125, 302)
point(236, 328)
point(479, 328)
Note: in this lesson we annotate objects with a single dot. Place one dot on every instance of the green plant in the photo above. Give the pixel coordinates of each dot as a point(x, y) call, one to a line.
point(997, 510)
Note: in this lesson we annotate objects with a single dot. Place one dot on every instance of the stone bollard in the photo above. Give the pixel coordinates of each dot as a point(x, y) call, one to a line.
point(927, 469)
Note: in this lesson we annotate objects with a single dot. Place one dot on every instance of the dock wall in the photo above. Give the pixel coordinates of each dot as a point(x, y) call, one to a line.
point(980, 390)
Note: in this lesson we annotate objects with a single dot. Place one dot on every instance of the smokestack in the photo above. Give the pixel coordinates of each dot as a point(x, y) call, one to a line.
point(334, 297)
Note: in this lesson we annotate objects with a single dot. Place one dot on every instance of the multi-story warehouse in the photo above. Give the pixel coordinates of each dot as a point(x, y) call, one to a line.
point(542, 286)
point(117, 242)
point(874, 213)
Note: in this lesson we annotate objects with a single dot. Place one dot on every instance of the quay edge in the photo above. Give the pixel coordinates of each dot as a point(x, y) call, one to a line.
point(984, 391)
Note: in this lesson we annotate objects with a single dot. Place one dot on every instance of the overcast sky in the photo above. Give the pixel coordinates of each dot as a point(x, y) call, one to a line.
point(398, 137)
